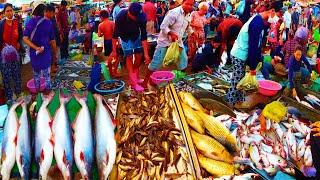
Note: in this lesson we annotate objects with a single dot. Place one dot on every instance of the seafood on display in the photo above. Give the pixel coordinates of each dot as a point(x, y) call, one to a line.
point(44, 139)
point(282, 146)
point(104, 135)
point(62, 136)
point(309, 101)
point(23, 149)
point(150, 145)
point(83, 140)
point(9, 142)
point(214, 142)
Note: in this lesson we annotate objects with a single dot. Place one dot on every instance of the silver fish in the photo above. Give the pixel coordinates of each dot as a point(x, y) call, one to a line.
point(83, 140)
point(43, 139)
point(314, 97)
point(63, 147)
point(9, 141)
point(105, 142)
point(23, 149)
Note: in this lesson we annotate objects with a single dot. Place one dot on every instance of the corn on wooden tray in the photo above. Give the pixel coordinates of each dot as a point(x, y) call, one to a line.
point(179, 125)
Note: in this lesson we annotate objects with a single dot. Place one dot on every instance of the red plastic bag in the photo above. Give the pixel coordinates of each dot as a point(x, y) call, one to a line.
point(318, 65)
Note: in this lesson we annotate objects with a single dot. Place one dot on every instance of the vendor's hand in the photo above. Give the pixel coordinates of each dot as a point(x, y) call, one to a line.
point(294, 92)
point(174, 37)
point(316, 129)
point(147, 59)
point(39, 50)
point(61, 37)
point(112, 56)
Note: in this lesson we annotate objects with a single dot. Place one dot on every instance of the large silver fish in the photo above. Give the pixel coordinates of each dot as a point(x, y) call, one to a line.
point(23, 149)
point(105, 142)
point(9, 142)
point(63, 147)
point(83, 140)
point(44, 139)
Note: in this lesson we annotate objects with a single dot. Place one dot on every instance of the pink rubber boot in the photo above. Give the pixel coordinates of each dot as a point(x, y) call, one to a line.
point(134, 84)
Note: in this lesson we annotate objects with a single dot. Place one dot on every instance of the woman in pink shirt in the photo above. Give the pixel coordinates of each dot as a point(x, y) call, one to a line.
point(197, 38)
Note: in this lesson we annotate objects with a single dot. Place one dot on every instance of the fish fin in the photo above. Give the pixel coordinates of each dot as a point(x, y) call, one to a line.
point(21, 159)
point(64, 158)
point(41, 155)
point(52, 140)
point(15, 140)
point(81, 156)
point(107, 157)
point(114, 122)
point(51, 123)
point(3, 157)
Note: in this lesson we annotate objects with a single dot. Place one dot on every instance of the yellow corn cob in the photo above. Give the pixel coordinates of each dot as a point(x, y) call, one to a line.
point(191, 101)
point(216, 168)
point(193, 119)
point(211, 148)
point(217, 130)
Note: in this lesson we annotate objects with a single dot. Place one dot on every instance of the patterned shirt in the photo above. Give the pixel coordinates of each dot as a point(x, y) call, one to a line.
point(176, 21)
point(289, 48)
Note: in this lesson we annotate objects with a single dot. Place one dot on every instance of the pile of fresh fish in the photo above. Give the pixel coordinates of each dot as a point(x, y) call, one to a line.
point(16, 142)
point(310, 101)
point(209, 83)
point(59, 83)
point(73, 72)
point(213, 141)
point(223, 74)
point(151, 145)
point(183, 86)
point(282, 146)
point(76, 64)
point(56, 138)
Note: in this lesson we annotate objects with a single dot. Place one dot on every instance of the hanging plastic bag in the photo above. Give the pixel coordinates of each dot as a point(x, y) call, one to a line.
point(172, 54)
point(249, 81)
point(240, 7)
point(316, 35)
point(224, 58)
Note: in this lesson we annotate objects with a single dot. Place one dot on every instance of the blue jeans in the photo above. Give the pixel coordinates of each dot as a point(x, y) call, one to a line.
point(158, 57)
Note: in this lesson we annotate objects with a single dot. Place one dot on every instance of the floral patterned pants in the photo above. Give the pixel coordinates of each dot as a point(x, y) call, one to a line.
point(238, 72)
point(11, 73)
point(46, 75)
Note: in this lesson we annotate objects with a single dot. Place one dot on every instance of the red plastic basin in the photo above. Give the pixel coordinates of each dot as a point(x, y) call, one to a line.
point(269, 88)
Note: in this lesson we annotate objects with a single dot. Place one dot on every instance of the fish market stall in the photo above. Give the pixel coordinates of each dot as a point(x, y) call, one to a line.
point(50, 125)
point(227, 145)
point(151, 139)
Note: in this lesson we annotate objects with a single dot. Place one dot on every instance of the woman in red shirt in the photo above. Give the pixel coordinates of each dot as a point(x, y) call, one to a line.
point(10, 64)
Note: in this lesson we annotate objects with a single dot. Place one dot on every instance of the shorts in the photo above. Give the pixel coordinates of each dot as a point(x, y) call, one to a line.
point(131, 47)
point(158, 57)
point(107, 47)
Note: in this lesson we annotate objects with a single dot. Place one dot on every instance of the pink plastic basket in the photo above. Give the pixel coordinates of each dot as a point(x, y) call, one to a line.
point(269, 88)
point(32, 88)
point(160, 77)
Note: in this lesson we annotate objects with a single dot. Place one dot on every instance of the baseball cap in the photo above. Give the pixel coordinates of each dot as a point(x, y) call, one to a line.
point(135, 9)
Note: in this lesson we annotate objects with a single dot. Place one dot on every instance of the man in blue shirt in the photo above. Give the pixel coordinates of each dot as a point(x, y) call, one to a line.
point(130, 27)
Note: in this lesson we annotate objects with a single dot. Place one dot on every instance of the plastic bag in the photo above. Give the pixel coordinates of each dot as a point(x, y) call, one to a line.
point(316, 35)
point(275, 111)
point(249, 81)
point(172, 54)
point(224, 58)
point(312, 50)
